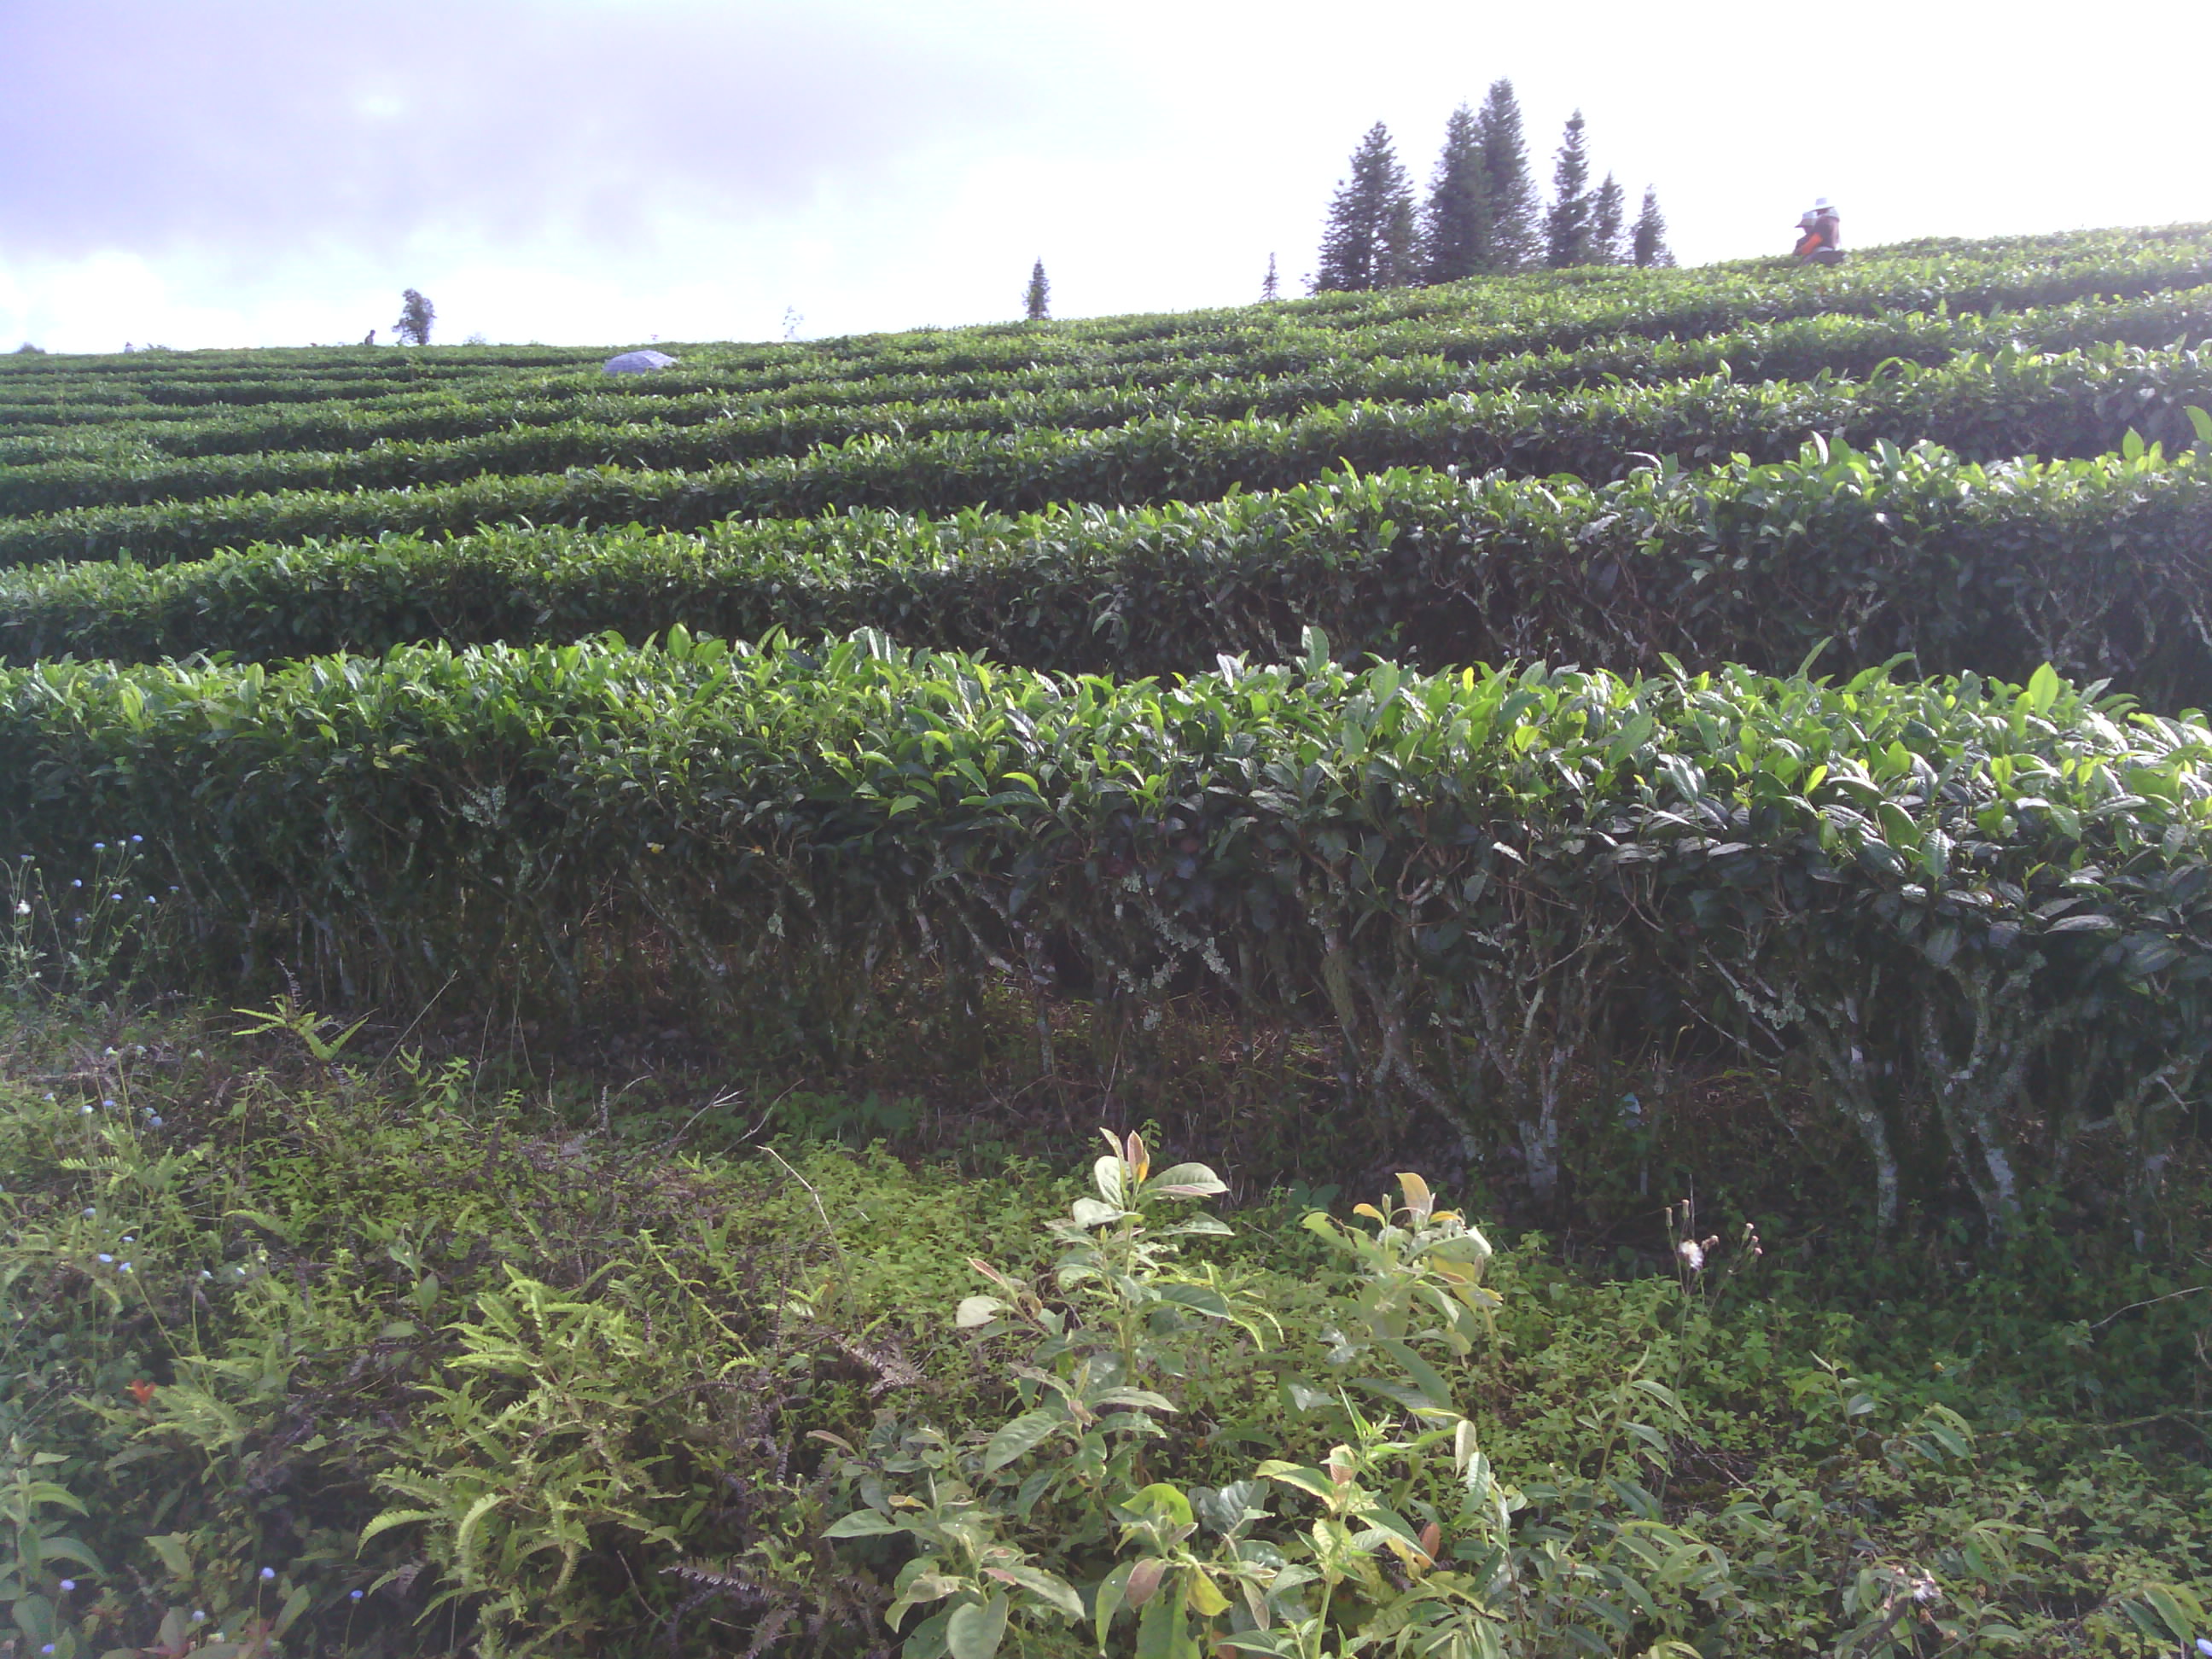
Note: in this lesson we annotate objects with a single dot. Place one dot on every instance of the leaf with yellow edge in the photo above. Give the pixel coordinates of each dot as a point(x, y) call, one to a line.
point(1304, 1476)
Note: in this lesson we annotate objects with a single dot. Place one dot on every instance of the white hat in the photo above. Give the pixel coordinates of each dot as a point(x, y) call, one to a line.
point(1823, 202)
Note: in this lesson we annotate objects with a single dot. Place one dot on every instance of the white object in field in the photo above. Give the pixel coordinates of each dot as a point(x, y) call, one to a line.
point(636, 363)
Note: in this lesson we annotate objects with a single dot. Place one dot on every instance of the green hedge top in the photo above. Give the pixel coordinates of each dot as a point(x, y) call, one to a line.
point(2097, 565)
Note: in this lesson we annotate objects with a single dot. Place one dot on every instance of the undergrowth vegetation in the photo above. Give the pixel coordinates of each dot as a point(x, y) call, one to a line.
point(307, 1353)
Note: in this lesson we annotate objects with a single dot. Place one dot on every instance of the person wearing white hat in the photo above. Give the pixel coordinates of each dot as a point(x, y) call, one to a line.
point(1820, 235)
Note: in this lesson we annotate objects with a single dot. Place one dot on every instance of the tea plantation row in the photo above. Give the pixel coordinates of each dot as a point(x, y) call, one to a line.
point(1479, 879)
point(2074, 403)
point(375, 458)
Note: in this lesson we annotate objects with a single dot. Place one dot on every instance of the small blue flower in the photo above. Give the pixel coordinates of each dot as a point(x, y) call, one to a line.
point(353, 1596)
point(79, 882)
point(124, 1268)
point(105, 1260)
point(89, 1211)
point(198, 1618)
point(204, 1273)
point(68, 1584)
point(154, 1118)
point(268, 1573)
point(135, 840)
point(109, 1104)
point(84, 1111)
point(49, 1648)
point(99, 847)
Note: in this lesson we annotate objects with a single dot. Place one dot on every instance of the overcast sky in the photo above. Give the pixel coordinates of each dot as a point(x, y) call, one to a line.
point(273, 172)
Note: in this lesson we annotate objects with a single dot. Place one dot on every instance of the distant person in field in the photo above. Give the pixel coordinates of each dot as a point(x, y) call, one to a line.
point(1820, 233)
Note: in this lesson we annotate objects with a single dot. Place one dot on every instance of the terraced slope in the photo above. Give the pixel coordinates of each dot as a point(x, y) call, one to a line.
point(416, 748)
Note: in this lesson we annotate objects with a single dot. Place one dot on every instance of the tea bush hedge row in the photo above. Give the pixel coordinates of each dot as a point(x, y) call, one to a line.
point(1975, 915)
point(2076, 403)
point(1329, 366)
point(1804, 349)
point(1464, 322)
point(2098, 567)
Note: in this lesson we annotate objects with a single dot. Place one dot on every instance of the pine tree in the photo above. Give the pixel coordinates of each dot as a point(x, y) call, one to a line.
point(1567, 225)
point(417, 315)
point(1401, 245)
point(1037, 301)
point(1270, 289)
point(1369, 242)
point(1608, 224)
point(1508, 193)
point(1648, 242)
point(1456, 239)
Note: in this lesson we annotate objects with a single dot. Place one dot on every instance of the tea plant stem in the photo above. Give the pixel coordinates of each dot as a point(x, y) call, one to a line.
point(2151, 1302)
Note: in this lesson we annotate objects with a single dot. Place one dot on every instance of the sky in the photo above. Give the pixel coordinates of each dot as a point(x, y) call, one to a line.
point(235, 173)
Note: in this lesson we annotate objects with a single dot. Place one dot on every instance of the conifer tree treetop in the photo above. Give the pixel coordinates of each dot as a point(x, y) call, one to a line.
point(1037, 299)
point(1609, 224)
point(1567, 225)
point(1455, 233)
point(1480, 212)
point(1369, 242)
point(1509, 193)
point(1648, 242)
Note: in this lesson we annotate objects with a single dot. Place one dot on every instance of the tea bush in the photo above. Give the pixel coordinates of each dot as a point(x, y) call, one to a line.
point(2009, 403)
point(719, 435)
point(1268, 372)
point(1971, 916)
point(1465, 322)
point(2093, 566)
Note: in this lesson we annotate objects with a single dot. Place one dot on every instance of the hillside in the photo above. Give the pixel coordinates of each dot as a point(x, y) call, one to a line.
point(1597, 738)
